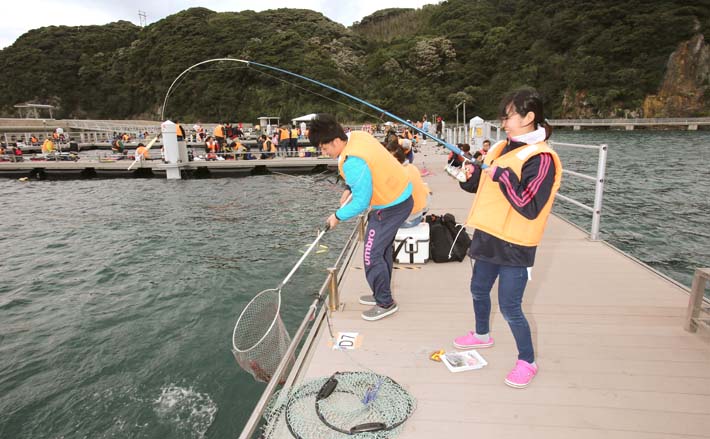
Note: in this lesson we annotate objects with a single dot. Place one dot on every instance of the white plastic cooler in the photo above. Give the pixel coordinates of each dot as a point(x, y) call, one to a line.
point(415, 249)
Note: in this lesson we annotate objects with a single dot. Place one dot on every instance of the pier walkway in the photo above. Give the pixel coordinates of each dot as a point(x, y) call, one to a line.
point(629, 124)
point(614, 359)
point(87, 168)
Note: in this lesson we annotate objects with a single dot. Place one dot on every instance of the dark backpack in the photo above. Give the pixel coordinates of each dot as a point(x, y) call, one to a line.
point(447, 241)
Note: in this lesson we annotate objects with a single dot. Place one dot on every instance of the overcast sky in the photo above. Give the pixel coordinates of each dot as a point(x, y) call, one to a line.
point(19, 16)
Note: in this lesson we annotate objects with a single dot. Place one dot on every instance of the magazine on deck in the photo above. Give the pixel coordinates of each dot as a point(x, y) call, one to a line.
point(458, 361)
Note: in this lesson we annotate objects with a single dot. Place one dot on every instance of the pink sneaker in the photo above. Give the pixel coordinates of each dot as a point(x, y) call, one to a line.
point(521, 375)
point(470, 341)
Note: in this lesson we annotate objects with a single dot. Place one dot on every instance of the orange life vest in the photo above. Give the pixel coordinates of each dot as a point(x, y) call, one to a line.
point(492, 213)
point(389, 179)
point(47, 146)
point(419, 188)
point(142, 150)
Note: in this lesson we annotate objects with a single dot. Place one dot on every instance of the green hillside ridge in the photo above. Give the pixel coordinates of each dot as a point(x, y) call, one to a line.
point(589, 59)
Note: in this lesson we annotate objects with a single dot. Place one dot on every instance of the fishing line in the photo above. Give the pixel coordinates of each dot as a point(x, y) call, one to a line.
point(446, 144)
point(318, 94)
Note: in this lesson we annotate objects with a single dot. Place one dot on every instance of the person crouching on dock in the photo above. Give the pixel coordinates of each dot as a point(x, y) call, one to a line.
point(376, 180)
point(514, 198)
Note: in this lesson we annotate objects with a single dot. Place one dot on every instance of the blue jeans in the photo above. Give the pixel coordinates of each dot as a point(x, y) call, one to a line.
point(511, 286)
point(382, 226)
point(413, 222)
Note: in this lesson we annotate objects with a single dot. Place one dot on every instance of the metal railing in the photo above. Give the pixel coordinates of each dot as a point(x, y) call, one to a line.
point(114, 126)
point(598, 180)
point(636, 121)
point(698, 315)
point(329, 287)
point(462, 133)
point(85, 137)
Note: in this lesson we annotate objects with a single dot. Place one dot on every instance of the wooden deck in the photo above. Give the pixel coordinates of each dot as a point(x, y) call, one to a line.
point(614, 359)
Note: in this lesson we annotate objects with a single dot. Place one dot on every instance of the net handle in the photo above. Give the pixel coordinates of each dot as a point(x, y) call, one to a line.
point(300, 261)
point(308, 251)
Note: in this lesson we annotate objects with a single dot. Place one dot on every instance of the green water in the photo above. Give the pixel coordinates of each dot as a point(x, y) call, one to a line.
point(118, 297)
point(656, 197)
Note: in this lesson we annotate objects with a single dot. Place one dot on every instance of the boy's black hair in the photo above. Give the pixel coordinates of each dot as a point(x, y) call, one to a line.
point(325, 128)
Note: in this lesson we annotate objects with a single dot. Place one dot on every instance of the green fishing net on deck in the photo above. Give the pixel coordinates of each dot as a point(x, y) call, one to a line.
point(361, 405)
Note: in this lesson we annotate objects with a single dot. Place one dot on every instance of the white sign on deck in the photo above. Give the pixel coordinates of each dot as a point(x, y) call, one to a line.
point(347, 340)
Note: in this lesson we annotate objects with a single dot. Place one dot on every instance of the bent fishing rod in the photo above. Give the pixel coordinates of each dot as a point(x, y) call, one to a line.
point(448, 145)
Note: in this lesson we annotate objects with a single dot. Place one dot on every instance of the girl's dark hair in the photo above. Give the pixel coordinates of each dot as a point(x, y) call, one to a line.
point(523, 101)
point(396, 150)
point(325, 128)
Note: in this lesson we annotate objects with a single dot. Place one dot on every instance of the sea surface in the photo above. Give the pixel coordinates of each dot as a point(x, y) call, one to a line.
point(118, 297)
point(656, 194)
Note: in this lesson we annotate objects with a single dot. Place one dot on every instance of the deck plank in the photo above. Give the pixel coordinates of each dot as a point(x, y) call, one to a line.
point(614, 359)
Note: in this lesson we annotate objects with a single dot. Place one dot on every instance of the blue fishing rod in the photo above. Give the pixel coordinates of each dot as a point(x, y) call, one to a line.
point(448, 145)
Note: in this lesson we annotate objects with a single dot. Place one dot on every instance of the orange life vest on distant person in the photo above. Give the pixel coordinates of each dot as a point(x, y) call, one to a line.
point(419, 188)
point(142, 150)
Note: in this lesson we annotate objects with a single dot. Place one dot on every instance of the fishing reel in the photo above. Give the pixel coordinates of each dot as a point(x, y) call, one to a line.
point(457, 173)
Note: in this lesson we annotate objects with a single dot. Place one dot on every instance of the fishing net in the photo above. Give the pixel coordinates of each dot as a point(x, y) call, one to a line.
point(347, 404)
point(260, 339)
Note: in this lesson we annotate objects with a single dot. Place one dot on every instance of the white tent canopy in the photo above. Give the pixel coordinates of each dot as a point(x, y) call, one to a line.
point(305, 118)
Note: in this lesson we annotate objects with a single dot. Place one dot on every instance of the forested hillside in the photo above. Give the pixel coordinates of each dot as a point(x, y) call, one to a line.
point(589, 58)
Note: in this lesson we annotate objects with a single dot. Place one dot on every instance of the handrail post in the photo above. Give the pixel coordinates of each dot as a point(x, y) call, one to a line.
point(334, 294)
point(599, 193)
point(697, 293)
point(361, 228)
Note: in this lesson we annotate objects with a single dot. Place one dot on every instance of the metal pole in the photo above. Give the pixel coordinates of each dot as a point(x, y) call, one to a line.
point(334, 295)
point(599, 193)
point(361, 228)
point(465, 124)
point(697, 290)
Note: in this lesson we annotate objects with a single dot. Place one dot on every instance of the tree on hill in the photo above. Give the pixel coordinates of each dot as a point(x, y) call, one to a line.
point(593, 59)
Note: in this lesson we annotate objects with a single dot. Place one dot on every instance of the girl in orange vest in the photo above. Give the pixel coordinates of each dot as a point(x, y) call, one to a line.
point(420, 190)
point(514, 197)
